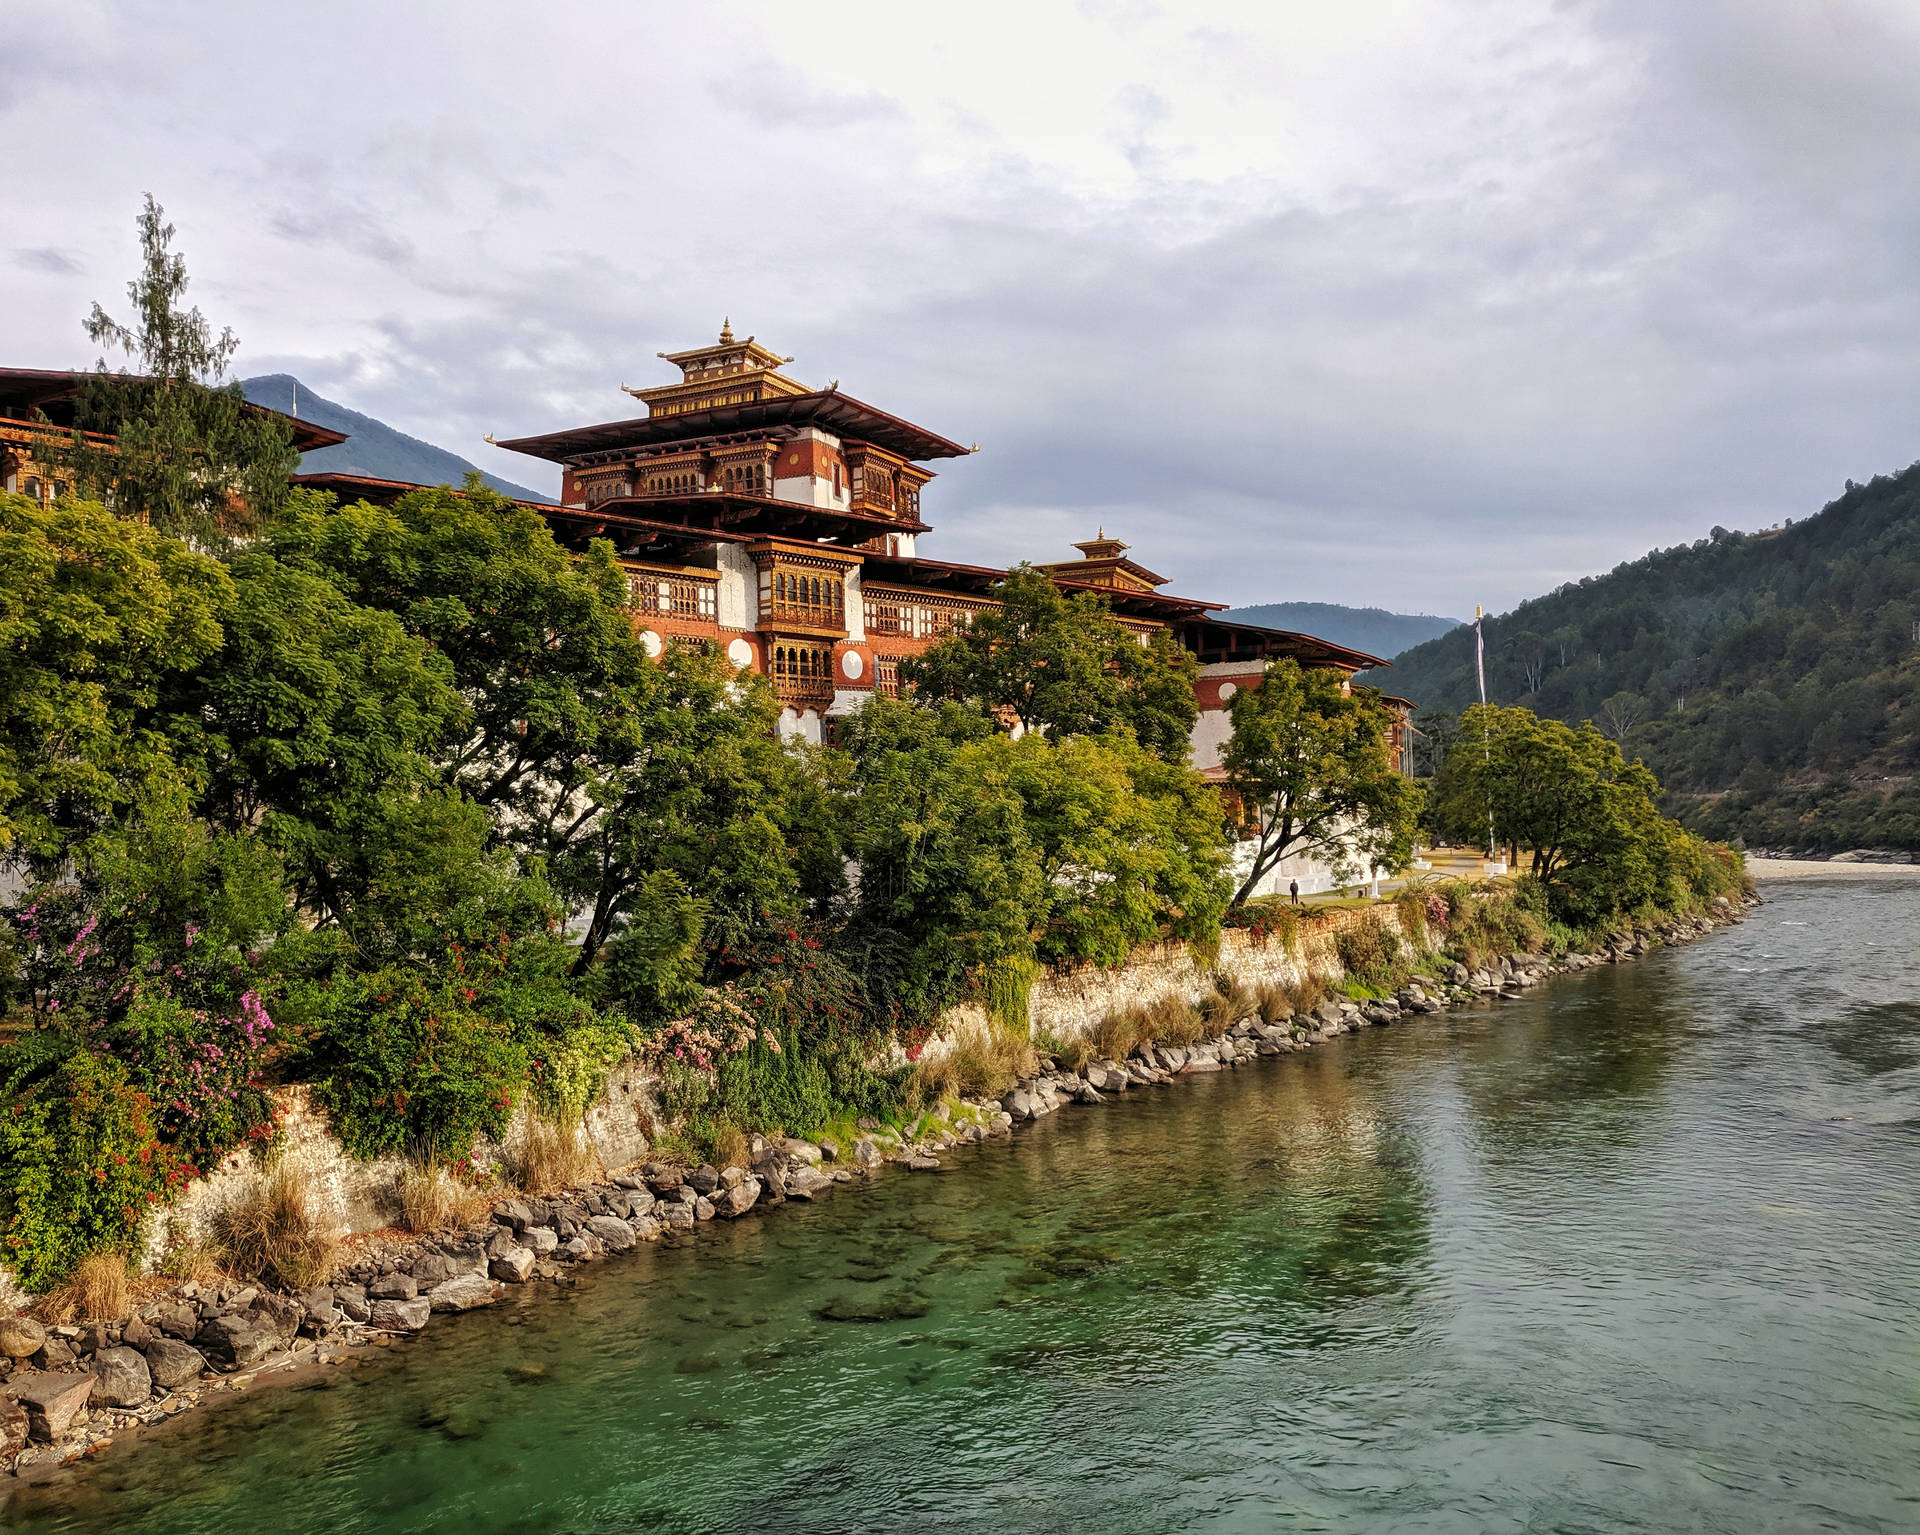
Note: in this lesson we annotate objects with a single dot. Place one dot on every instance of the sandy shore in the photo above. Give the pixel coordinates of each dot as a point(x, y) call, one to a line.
point(1764, 869)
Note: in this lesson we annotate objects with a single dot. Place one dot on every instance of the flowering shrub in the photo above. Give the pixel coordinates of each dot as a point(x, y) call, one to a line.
point(422, 1057)
point(82, 1161)
point(149, 1043)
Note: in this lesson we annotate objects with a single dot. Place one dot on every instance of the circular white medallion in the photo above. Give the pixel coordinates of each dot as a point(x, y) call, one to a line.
point(1227, 690)
point(651, 643)
point(850, 664)
point(740, 653)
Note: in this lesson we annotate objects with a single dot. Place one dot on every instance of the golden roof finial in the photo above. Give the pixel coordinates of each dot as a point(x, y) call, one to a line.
point(726, 331)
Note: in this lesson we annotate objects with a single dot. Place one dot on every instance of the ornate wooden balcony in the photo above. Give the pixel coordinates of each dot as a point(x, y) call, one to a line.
point(674, 594)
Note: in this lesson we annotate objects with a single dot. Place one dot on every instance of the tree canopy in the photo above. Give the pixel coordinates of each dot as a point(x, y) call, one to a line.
point(1309, 765)
point(1065, 665)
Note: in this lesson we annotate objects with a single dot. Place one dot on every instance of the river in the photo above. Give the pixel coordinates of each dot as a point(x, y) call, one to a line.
point(1638, 1252)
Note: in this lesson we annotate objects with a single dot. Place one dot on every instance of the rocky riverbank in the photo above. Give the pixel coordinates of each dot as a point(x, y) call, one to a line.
point(72, 1390)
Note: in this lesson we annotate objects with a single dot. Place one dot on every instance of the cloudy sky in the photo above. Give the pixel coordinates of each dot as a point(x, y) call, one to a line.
point(1401, 302)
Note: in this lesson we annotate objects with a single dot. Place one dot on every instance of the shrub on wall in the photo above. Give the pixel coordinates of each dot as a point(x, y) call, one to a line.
point(80, 1163)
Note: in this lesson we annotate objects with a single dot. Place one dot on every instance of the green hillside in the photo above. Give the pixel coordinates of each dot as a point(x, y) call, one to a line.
point(1768, 678)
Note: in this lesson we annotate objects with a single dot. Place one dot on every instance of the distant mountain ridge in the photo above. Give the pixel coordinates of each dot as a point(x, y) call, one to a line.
point(1373, 630)
point(1770, 679)
point(372, 447)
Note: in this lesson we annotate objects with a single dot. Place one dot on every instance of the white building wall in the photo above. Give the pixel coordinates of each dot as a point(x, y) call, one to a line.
point(856, 608)
point(812, 490)
point(738, 596)
point(801, 726)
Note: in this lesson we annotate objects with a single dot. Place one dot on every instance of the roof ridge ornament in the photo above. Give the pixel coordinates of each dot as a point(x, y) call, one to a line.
point(726, 330)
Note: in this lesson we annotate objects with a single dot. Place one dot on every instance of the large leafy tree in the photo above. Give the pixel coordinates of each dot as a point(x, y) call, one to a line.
point(98, 616)
point(1581, 813)
point(1064, 665)
point(187, 453)
point(589, 758)
point(1309, 766)
point(1130, 848)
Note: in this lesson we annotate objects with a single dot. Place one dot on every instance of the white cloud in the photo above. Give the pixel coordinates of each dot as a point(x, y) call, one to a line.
point(1417, 303)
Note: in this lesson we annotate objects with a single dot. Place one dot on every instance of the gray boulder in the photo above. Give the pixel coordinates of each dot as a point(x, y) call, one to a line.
point(616, 1233)
point(120, 1378)
point(393, 1287)
point(803, 1183)
point(21, 1337)
point(401, 1315)
point(513, 1266)
point(178, 1321)
point(238, 1340)
point(430, 1269)
point(514, 1213)
point(542, 1239)
point(172, 1363)
point(52, 1402)
point(461, 1293)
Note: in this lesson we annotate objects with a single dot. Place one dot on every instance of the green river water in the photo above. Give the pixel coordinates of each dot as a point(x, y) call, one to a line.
point(1638, 1252)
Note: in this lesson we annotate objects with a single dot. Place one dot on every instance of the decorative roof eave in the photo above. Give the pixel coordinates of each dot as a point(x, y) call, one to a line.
point(828, 409)
point(940, 575)
point(1156, 605)
point(37, 388)
point(1216, 640)
point(367, 487)
point(755, 516)
point(1069, 569)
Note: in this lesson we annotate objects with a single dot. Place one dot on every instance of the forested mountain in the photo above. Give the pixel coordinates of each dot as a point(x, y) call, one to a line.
point(1768, 678)
point(1374, 630)
point(372, 447)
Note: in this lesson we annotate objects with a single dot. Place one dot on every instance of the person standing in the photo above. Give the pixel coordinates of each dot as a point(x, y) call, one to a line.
point(1293, 892)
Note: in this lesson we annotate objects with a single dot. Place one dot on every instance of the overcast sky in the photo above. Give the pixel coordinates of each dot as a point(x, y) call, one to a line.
point(1401, 303)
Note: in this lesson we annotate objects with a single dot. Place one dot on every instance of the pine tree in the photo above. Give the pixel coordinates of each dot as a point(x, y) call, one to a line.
point(171, 440)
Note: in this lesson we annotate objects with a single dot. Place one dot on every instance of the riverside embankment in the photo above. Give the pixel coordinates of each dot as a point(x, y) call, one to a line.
point(1629, 1251)
point(81, 1388)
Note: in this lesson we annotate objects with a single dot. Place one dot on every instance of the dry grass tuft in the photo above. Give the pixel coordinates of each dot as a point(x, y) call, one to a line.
point(730, 1147)
point(1072, 1054)
point(1120, 1032)
point(986, 1060)
point(1307, 993)
point(1226, 1004)
point(98, 1290)
point(1274, 1003)
point(273, 1230)
point(1173, 1020)
point(549, 1156)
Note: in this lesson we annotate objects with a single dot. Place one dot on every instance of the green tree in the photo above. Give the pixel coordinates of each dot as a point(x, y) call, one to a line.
point(1309, 765)
point(1064, 665)
point(186, 452)
point(1130, 849)
point(98, 615)
point(1585, 817)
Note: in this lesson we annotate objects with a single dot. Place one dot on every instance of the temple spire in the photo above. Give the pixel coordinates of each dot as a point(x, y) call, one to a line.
point(726, 331)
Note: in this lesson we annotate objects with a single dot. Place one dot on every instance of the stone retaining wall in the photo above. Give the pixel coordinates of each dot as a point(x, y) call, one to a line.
point(620, 1125)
